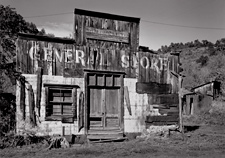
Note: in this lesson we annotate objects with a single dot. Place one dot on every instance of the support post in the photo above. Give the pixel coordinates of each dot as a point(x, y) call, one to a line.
point(180, 80)
point(39, 86)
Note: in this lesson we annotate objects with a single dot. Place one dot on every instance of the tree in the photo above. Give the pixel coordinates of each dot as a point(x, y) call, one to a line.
point(11, 24)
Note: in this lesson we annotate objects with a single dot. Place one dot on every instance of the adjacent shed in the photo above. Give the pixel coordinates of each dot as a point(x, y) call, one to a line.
point(200, 98)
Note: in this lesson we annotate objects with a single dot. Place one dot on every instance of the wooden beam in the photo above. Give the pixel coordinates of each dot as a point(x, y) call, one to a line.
point(31, 106)
point(39, 87)
point(106, 15)
point(173, 118)
point(127, 98)
point(180, 80)
point(153, 88)
point(46, 101)
point(122, 102)
point(170, 99)
point(81, 112)
point(74, 107)
point(22, 97)
point(45, 38)
point(107, 35)
point(65, 86)
point(86, 99)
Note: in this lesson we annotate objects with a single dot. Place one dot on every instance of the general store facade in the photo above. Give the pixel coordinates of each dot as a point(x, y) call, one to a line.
point(102, 81)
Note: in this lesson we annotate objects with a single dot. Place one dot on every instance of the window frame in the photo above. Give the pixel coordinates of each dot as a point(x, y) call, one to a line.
point(73, 102)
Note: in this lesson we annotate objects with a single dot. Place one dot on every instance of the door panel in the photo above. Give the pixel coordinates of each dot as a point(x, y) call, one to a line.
point(96, 101)
point(111, 108)
point(96, 107)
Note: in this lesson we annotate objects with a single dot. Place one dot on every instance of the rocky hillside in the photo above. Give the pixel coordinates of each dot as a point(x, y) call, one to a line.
point(202, 61)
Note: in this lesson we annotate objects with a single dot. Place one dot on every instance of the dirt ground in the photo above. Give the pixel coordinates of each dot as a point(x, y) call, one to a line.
point(205, 141)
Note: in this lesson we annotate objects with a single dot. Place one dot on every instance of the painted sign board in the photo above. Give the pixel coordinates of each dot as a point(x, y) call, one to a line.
point(61, 58)
point(114, 38)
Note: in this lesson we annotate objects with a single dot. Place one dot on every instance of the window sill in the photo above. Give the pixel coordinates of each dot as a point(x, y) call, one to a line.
point(63, 119)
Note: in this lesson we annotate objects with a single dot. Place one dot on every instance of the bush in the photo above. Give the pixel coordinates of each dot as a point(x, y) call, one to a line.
point(7, 113)
point(213, 116)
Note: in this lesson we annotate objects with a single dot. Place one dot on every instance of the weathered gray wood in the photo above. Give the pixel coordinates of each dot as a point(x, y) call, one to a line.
point(153, 88)
point(74, 105)
point(166, 99)
point(39, 87)
point(180, 79)
point(111, 108)
point(127, 98)
point(107, 35)
point(86, 96)
point(121, 108)
point(31, 106)
point(46, 101)
point(174, 118)
point(22, 97)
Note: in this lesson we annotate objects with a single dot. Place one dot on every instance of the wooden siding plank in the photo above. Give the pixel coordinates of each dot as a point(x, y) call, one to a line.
point(74, 105)
point(127, 98)
point(30, 55)
point(18, 55)
point(162, 118)
point(86, 99)
point(142, 71)
point(22, 97)
point(107, 35)
point(47, 102)
point(39, 87)
point(134, 43)
point(81, 112)
point(22, 57)
point(121, 103)
point(166, 99)
point(31, 106)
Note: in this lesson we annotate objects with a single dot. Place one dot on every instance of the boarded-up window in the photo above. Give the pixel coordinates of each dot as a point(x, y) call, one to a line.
point(61, 102)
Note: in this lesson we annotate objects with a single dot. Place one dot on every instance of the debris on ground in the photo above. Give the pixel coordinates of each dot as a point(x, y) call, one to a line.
point(158, 131)
point(58, 142)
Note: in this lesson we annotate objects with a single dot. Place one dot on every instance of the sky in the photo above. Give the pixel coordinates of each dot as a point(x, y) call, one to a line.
point(162, 21)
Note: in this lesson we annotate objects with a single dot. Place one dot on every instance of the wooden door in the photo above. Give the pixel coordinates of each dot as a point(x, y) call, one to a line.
point(104, 101)
point(104, 108)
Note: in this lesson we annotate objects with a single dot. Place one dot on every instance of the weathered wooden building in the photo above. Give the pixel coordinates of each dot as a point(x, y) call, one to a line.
point(210, 88)
point(200, 98)
point(101, 82)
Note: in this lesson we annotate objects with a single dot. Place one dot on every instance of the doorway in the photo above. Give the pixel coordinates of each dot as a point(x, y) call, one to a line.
point(104, 104)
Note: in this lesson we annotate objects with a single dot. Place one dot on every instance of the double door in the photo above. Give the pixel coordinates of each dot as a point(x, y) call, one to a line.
point(105, 109)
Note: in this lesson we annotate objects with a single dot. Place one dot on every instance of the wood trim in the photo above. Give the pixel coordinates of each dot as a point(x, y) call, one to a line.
point(86, 98)
point(127, 98)
point(122, 103)
point(103, 104)
point(39, 86)
point(31, 106)
point(81, 112)
point(66, 86)
point(74, 105)
point(46, 101)
point(106, 15)
point(153, 88)
point(106, 87)
point(22, 97)
point(45, 38)
point(104, 72)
